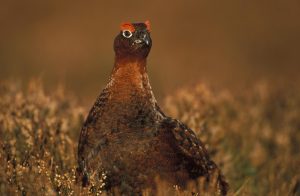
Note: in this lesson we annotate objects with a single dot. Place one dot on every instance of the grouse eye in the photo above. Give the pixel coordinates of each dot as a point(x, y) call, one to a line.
point(127, 33)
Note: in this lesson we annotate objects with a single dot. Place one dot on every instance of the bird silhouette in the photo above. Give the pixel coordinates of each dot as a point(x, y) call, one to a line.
point(128, 137)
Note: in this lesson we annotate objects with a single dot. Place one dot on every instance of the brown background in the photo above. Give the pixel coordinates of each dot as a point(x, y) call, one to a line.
point(228, 44)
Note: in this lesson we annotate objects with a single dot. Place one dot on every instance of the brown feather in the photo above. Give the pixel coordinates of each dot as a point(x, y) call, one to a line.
point(129, 138)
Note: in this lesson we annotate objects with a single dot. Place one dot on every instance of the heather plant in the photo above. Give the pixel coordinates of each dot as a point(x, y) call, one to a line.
point(38, 140)
point(254, 136)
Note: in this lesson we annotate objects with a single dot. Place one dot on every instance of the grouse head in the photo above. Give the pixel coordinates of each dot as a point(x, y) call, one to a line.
point(133, 41)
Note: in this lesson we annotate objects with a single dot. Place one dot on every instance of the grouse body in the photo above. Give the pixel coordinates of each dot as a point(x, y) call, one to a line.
point(128, 137)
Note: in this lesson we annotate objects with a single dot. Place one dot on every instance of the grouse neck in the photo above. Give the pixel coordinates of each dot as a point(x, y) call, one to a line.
point(129, 80)
point(130, 64)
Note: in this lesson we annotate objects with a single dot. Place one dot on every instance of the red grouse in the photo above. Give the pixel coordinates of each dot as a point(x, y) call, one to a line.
point(128, 137)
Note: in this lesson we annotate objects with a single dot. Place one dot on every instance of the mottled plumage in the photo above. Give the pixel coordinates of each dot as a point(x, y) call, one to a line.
point(129, 138)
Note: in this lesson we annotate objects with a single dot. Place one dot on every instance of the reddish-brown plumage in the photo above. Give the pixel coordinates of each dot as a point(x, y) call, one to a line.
point(128, 137)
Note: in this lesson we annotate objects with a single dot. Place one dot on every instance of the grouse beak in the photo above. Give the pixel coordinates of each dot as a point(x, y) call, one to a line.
point(147, 41)
point(143, 39)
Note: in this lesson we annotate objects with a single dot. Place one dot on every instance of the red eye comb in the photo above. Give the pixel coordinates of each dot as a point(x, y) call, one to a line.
point(127, 26)
point(147, 23)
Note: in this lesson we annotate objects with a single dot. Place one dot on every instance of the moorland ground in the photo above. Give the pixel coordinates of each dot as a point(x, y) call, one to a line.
point(253, 135)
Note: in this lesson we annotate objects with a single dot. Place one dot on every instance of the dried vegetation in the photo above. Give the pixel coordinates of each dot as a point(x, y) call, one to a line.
point(254, 136)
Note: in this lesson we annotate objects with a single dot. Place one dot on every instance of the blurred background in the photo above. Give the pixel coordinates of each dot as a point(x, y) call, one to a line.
point(228, 44)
